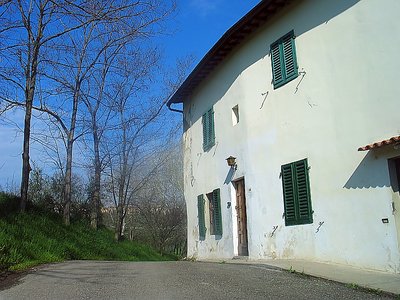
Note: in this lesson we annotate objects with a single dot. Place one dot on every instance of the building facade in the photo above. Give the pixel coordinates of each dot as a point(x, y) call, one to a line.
point(305, 96)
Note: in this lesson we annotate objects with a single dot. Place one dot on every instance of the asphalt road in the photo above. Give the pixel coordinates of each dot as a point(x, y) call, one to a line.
point(173, 280)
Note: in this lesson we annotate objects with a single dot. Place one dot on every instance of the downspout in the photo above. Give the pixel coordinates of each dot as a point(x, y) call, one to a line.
point(173, 109)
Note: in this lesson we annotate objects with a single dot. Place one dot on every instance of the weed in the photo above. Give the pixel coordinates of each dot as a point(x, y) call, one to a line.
point(353, 286)
point(190, 258)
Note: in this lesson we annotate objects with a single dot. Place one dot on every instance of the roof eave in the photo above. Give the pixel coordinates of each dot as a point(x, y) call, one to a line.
point(255, 18)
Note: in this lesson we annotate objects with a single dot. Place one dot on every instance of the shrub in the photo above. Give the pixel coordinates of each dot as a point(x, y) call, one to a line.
point(9, 204)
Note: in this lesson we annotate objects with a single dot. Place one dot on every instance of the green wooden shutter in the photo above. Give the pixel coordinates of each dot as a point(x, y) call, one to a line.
point(217, 212)
point(296, 193)
point(284, 61)
point(202, 222)
point(289, 194)
point(205, 131)
point(208, 130)
point(289, 57)
point(277, 64)
point(303, 192)
point(211, 127)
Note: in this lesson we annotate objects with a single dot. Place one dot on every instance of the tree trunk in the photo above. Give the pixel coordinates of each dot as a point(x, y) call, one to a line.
point(25, 154)
point(68, 184)
point(119, 225)
point(95, 205)
point(30, 75)
point(30, 84)
point(70, 145)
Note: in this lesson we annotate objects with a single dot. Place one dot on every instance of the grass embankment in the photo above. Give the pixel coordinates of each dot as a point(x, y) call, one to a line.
point(37, 237)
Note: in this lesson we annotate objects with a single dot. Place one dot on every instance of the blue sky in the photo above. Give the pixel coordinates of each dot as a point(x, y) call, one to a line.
point(200, 23)
point(195, 28)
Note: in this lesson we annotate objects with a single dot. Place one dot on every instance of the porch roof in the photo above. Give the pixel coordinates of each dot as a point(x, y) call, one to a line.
point(391, 141)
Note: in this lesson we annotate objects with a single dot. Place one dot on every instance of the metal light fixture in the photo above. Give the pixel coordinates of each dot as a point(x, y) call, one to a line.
point(232, 162)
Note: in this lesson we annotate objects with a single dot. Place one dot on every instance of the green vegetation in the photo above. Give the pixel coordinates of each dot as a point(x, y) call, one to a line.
point(37, 236)
point(353, 286)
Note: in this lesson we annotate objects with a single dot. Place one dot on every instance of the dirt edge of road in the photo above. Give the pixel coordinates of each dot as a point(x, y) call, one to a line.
point(10, 278)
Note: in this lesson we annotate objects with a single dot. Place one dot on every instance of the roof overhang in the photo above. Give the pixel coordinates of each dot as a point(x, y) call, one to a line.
point(258, 16)
point(392, 141)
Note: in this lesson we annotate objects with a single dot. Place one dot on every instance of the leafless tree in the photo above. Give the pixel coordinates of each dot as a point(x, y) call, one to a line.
point(158, 216)
point(132, 28)
point(88, 29)
point(28, 28)
point(141, 128)
point(95, 100)
point(133, 115)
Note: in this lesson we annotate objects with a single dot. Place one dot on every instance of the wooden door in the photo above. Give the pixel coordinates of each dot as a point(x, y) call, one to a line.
point(241, 218)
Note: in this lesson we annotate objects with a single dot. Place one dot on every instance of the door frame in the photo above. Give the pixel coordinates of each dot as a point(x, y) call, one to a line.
point(394, 177)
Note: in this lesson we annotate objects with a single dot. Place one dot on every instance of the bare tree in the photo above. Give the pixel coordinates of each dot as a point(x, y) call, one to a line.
point(158, 215)
point(135, 130)
point(82, 25)
point(99, 115)
point(134, 24)
point(27, 29)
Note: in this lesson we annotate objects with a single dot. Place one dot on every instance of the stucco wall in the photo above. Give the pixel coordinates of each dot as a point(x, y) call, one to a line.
point(346, 96)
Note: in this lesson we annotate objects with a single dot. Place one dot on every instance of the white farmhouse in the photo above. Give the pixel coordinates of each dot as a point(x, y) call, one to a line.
point(305, 97)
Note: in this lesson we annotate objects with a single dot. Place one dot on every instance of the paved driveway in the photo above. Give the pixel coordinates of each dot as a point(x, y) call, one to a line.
point(173, 280)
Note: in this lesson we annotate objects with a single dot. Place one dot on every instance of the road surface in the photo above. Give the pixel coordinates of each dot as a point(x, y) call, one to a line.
point(173, 280)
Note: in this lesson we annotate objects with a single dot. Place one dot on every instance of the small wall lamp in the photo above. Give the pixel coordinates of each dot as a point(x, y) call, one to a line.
point(232, 162)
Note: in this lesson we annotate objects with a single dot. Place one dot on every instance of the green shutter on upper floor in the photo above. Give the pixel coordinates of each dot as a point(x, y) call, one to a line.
point(208, 129)
point(284, 60)
point(201, 217)
point(277, 65)
point(205, 130)
point(211, 127)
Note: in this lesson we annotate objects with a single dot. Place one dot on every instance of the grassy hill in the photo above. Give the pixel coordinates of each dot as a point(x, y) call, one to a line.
point(37, 237)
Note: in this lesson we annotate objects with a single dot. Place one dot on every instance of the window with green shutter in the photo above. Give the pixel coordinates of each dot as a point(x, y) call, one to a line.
point(214, 205)
point(200, 212)
point(284, 62)
point(208, 130)
point(296, 193)
point(217, 212)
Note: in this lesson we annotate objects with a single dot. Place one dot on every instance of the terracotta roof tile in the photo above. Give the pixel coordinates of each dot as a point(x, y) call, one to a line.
point(392, 140)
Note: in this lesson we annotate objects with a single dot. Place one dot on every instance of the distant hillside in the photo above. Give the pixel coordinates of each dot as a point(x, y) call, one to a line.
point(38, 237)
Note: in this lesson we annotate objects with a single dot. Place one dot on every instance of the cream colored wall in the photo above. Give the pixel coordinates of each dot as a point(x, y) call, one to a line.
point(345, 97)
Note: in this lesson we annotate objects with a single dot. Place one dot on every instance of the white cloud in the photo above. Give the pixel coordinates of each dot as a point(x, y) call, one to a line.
point(205, 7)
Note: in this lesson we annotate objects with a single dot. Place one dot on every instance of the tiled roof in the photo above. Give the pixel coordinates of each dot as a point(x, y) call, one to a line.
point(392, 140)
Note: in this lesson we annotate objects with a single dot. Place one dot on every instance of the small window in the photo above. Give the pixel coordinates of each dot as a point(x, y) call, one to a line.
point(200, 212)
point(284, 62)
point(296, 193)
point(208, 130)
point(235, 115)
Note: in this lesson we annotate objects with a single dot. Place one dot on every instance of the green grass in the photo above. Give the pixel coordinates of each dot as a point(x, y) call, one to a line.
point(32, 238)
